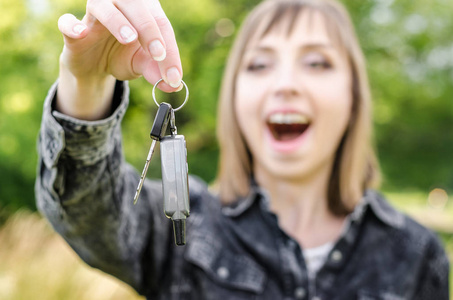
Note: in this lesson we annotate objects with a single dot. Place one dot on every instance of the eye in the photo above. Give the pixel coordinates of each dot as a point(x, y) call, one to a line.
point(316, 61)
point(320, 65)
point(259, 64)
point(254, 67)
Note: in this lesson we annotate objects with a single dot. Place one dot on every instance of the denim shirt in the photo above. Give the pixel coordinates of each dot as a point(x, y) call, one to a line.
point(85, 189)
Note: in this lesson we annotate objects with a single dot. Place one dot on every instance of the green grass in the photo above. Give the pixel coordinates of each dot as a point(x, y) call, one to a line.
point(36, 263)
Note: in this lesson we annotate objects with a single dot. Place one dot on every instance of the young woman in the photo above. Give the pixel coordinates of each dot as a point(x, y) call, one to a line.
point(294, 215)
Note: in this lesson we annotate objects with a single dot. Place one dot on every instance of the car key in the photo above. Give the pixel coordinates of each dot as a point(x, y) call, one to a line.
point(175, 186)
point(157, 132)
point(175, 183)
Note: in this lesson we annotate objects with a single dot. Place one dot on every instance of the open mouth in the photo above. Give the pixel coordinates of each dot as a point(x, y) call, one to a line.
point(287, 126)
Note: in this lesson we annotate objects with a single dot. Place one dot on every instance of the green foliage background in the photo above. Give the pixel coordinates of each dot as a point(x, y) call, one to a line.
point(408, 45)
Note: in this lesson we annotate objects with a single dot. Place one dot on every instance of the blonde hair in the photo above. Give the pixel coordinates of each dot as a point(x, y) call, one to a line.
point(355, 167)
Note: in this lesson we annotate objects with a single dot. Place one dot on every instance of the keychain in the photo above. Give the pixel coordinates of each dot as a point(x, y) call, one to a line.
point(173, 153)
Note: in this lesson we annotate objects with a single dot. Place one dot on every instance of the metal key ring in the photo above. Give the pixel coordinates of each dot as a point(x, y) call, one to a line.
point(185, 100)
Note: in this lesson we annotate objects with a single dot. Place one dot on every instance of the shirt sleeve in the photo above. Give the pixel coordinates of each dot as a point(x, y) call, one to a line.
point(85, 189)
point(434, 283)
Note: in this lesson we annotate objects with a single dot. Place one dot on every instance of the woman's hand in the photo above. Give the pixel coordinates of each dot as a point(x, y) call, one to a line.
point(116, 39)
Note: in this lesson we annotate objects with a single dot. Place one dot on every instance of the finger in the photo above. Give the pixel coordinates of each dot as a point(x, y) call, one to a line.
point(71, 27)
point(142, 64)
point(109, 16)
point(170, 68)
point(143, 21)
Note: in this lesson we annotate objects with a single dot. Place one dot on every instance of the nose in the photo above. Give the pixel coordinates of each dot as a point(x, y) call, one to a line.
point(286, 85)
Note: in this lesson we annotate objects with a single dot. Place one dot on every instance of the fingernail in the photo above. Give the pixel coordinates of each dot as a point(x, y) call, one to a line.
point(79, 28)
point(157, 50)
point(180, 87)
point(173, 77)
point(127, 34)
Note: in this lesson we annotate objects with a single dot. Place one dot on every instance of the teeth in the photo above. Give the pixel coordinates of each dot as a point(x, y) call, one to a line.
point(288, 118)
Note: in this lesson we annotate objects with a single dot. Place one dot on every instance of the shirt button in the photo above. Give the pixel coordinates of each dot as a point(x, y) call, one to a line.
point(223, 272)
point(336, 256)
point(299, 293)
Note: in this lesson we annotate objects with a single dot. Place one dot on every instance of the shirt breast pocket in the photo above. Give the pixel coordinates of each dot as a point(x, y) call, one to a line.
point(373, 295)
point(223, 274)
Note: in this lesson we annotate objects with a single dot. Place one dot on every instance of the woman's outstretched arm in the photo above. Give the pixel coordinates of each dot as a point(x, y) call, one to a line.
point(84, 187)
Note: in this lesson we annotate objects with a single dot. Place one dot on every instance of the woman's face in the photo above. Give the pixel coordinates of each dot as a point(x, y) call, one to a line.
point(293, 99)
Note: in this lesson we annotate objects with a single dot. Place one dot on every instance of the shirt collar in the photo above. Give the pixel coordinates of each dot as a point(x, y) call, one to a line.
point(371, 199)
point(239, 207)
point(383, 210)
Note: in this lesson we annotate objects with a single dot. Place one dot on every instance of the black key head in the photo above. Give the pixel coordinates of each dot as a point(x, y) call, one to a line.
point(161, 121)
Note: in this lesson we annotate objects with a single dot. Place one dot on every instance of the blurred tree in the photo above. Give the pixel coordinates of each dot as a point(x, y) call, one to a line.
point(409, 49)
point(407, 43)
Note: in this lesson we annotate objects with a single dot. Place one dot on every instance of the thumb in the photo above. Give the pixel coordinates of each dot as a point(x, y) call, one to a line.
point(71, 28)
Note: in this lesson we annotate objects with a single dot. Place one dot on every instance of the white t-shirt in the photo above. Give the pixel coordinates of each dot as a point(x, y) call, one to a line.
point(315, 258)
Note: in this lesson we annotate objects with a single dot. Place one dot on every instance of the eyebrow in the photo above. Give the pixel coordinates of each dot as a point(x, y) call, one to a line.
point(309, 46)
point(318, 45)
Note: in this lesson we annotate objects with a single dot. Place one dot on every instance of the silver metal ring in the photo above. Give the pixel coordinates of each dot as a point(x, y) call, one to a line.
point(185, 100)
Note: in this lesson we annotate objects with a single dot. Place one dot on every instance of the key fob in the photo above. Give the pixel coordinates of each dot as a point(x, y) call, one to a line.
point(175, 183)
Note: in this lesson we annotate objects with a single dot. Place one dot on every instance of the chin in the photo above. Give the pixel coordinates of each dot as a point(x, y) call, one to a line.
point(288, 171)
point(297, 167)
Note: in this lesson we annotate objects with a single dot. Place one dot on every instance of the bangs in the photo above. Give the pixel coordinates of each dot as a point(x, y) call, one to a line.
point(286, 13)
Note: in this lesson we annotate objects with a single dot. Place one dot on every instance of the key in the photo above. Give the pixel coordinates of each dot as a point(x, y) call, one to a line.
point(157, 133)
point(175, 185)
